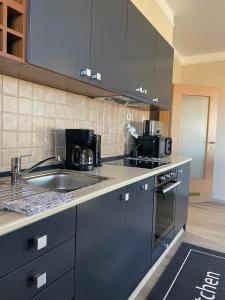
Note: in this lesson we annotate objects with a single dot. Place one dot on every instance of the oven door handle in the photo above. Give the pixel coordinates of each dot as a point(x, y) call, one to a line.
point(170, 187)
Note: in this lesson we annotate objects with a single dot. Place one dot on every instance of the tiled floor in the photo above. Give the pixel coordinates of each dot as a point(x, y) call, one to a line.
point(206, 228)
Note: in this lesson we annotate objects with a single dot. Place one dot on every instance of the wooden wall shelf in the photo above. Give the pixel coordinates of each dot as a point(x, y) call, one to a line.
point(12, 28)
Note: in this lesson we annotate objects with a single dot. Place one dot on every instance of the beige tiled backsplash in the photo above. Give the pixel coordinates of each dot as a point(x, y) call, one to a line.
point(33, 119)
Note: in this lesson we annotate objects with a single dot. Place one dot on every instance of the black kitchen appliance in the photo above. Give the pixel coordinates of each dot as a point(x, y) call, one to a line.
point(82, 149)
point(153, 146)
point(139, 162)
point(164, 204)
point(96, 146)
point(151, 127)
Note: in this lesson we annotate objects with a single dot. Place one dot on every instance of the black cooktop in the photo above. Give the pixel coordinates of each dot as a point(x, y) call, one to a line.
point(145, 163)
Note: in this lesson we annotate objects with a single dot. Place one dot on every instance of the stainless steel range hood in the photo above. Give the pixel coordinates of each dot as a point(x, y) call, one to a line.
point(129, 101)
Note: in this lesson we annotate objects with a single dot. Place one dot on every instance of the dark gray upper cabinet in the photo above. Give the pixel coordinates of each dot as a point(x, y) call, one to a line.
point(162, 93)
point(59, 36)
point(111, 42)
point(148, 59)
point(134, 49)
point(140, 58)
point(182, 197)
point(108, 44)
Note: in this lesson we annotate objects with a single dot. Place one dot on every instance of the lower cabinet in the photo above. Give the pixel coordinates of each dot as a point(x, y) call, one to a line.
point(183, 172)
point(35, 276)
point(162, 246)
point(113, 242)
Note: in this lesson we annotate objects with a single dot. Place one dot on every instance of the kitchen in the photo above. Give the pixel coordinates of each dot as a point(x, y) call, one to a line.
point(92, 201)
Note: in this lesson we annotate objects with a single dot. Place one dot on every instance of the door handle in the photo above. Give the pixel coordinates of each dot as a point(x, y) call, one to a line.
point(85, 72)
point(211, 143)
point(97, 76)
point(125, 197)
point(40, 242)
point(139, 90)
point(172, 186)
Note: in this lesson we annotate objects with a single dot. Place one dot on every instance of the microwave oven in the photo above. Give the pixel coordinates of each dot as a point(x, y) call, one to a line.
point(154, 146)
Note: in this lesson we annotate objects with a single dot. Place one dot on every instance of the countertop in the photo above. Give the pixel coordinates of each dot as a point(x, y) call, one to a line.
point(119, 176)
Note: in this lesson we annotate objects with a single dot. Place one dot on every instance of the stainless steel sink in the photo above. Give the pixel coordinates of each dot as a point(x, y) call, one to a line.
point(62, 181)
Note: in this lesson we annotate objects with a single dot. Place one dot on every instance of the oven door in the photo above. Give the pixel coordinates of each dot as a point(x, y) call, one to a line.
point(164, 210)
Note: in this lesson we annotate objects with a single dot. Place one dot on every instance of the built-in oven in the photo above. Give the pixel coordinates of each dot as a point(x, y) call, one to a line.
point(164, 205)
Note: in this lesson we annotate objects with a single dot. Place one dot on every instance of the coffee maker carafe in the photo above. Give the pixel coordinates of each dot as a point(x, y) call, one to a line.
point(82, 158)
point(82, 149)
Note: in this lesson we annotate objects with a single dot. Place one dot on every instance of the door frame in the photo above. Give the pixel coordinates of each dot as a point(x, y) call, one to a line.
point(203, 185)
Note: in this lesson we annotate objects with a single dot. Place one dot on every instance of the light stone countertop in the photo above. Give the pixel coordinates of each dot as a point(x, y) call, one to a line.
point(120, 176)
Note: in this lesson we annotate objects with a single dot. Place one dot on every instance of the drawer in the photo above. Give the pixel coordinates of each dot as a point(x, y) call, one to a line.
point(35, 276)
point(24, 245)
point(62, 289)
point(159, 250)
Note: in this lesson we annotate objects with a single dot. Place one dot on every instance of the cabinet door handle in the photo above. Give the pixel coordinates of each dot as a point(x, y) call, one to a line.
point(166, 245)
point(85, 72)
point(40, 280)
point(126, 197)
point(97, 76)
point(139, 90)
point(155, 100)
point(180, 171)
point(144, 186)
point(41, 242)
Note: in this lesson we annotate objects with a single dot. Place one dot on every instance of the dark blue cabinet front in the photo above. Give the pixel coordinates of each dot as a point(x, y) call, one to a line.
point(139, 231)
point(101, 248)
point(113, 246)
point(182, 197)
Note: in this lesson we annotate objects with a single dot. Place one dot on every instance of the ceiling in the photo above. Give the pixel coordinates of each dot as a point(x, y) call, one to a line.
point(199, 26)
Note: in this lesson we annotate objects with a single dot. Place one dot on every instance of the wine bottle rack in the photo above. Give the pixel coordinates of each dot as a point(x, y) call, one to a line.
point(12, 28)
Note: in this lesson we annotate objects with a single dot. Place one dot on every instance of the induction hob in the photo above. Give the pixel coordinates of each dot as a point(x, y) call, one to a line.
point(140, 162)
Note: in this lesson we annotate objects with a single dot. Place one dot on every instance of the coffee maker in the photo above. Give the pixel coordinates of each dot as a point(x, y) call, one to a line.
point(83, 149)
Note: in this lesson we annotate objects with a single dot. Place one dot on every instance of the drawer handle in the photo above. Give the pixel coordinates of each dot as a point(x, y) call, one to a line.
point(97, 76)
point(41, 242)
point(85, 73)
point(40, 280)
point(126, 197)
point(144, 187)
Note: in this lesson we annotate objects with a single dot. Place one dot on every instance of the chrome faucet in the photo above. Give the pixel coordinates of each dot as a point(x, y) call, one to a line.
point(16, 169)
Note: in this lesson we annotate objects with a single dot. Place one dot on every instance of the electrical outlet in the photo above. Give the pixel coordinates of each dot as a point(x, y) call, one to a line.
point(129, 117)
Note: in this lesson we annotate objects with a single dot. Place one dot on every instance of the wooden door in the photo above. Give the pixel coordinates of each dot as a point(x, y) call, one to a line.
point(108, 44)
point(59, 36)
point(200, 189)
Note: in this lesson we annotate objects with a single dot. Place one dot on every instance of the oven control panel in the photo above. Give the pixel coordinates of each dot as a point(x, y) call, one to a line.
point(167, 176)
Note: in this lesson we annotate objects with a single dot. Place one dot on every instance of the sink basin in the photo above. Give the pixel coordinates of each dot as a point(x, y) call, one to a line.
point(62, 181)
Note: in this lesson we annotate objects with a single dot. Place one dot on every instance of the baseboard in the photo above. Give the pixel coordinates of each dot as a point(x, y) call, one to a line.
point(153, 268)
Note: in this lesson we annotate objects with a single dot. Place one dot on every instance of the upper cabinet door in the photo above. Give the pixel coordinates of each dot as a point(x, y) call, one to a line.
point(163, 72)
point(108, 44)
point(148, 59)
point(134, 51)
point(59, 35)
